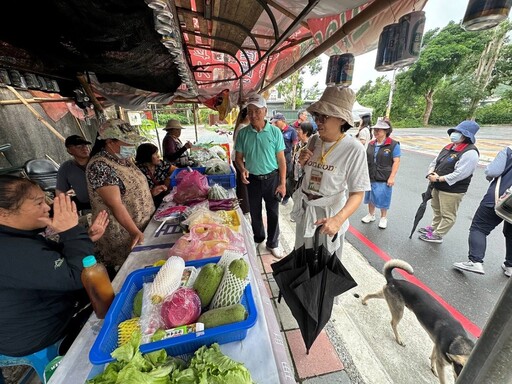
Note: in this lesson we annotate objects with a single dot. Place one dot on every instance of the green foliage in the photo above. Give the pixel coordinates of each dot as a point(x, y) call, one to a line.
point(451, 103)
point(408, 123)
point(163, 118)
point(292, 88)
point(495, 113)
point(375, 95)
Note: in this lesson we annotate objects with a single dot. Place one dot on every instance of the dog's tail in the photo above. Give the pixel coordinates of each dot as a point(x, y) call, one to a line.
point(395, 263)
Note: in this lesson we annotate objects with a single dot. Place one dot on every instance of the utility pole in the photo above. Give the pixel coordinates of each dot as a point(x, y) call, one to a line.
point(390, 100)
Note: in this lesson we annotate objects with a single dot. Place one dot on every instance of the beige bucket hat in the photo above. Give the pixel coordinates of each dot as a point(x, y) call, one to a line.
point(173, 124)
point(335, 102)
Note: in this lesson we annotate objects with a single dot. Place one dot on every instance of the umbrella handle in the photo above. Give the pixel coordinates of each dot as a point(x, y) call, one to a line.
point(317, 234)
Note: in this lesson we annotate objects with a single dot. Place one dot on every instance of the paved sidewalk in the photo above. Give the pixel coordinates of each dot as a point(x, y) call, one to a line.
point(357, 345)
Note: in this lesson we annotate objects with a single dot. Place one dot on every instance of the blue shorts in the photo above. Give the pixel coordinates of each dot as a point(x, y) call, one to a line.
point(379, 195)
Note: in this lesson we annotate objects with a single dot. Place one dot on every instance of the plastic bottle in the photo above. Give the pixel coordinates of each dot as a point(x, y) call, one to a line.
point(97, 284)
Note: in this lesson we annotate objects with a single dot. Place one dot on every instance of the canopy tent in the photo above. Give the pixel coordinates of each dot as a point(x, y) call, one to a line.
point(358, 110)
point(137, 51)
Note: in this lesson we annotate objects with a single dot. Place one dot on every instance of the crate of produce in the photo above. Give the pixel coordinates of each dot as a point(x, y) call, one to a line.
point(122, 308)
point(227, 181)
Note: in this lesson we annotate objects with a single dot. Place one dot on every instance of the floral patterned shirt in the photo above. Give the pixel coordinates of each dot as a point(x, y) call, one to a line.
point(157, 178)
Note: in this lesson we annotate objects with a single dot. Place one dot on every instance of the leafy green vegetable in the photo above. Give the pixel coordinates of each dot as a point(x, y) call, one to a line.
point(207, 366)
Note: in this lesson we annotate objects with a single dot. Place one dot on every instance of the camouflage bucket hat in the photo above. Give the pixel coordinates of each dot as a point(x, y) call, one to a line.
point(120, 130)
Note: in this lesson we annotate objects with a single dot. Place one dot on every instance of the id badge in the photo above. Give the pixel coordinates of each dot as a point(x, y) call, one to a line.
point(315, 180)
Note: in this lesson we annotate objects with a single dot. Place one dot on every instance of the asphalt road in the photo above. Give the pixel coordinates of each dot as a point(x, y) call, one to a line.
point(474, 296)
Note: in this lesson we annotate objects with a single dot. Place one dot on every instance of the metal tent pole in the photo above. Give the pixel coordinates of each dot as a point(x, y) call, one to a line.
point(194, 106)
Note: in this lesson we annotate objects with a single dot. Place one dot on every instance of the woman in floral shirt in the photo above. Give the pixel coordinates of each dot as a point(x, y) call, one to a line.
point(156, 170)
point(116, 185)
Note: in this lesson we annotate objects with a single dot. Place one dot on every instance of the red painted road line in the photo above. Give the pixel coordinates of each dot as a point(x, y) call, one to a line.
point(466, 323)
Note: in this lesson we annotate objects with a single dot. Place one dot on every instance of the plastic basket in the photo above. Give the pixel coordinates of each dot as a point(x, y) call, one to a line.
point(226, 181)
point(122, 306)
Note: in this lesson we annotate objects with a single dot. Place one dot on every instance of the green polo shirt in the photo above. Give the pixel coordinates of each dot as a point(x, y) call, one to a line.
point(260, 148)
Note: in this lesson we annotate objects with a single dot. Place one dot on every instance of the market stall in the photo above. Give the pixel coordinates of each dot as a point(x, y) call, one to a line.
point(263, 346)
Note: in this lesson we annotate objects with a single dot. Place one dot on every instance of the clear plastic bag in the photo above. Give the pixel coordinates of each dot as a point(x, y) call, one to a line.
point(150, 318)
point(181, 307)
point(207, 240)
point(217, 167)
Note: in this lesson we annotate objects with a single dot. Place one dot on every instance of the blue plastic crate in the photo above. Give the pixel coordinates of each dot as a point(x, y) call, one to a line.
point(122, 307)
point(226, 181)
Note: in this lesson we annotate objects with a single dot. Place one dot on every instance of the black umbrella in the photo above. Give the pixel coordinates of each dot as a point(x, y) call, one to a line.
point(425, 197)
point(309, 279)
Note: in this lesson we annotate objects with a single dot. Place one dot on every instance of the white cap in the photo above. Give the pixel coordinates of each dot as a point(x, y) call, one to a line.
point(256, 100)
point(381, 124)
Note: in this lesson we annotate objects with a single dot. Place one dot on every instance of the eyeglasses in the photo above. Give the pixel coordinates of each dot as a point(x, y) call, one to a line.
point(320, 118)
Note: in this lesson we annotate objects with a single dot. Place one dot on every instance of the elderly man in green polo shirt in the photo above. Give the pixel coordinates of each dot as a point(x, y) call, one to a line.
point(261, 145)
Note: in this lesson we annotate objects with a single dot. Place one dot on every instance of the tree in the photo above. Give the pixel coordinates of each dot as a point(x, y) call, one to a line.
point(483, 73)
point(292, 88)
point(375, 95)
point(442, 53)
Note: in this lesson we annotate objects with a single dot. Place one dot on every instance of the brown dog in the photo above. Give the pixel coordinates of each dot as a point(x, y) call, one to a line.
point(451, 343)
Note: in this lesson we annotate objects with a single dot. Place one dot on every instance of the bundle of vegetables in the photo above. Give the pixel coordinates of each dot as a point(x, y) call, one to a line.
point(217, 167)
point(223, 204)
point(170, 211)
point(217, 192)
point(208, 366)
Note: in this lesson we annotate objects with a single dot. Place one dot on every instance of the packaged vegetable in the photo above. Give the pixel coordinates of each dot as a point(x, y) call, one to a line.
point(182, 307)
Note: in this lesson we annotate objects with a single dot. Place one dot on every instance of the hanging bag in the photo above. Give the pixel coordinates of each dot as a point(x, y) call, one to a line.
point(503, 205)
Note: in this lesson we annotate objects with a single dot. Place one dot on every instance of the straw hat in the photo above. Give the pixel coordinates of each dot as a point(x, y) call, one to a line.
point(173, 124)
point(335, 102)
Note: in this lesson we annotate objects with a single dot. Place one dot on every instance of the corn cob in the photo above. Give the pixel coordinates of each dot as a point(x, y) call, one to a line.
point(168, 279)
point(125, 330)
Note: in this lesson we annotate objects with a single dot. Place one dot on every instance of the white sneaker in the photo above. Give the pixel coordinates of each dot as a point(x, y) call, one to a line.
point(277, 252)
point(368, 218)
point(383, 223)
point(470, 266)
point(506, 270)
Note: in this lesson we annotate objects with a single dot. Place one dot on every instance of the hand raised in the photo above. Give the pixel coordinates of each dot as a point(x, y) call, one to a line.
point(97, 228)
point(65, 215)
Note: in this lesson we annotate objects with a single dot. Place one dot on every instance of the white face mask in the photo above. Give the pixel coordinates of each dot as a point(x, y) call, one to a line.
point(456, 137)
point(125, 152)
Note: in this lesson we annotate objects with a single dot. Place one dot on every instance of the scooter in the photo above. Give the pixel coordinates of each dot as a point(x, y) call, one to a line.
point(42, 171)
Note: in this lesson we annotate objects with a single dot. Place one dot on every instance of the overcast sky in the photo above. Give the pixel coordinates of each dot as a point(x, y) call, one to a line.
point(438, 14)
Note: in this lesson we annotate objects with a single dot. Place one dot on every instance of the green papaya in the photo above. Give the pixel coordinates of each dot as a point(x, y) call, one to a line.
point(239, 268)
point(207, 282)
point(224, 315)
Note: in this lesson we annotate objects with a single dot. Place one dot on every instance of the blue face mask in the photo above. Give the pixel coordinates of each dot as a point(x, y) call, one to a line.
point(125, 152)
point(456, 137)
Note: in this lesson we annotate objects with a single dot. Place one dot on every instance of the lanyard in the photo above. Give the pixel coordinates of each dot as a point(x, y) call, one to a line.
point(324, 155)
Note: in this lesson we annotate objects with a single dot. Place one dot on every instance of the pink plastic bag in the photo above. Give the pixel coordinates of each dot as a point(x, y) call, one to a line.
point(207, 240)
point(192, 185)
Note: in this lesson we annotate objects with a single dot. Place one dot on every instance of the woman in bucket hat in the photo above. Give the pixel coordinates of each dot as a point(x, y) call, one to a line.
point(383, 156)
point(335, 173)
point(174, 150)
point(116, 185)
point(451, 172)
